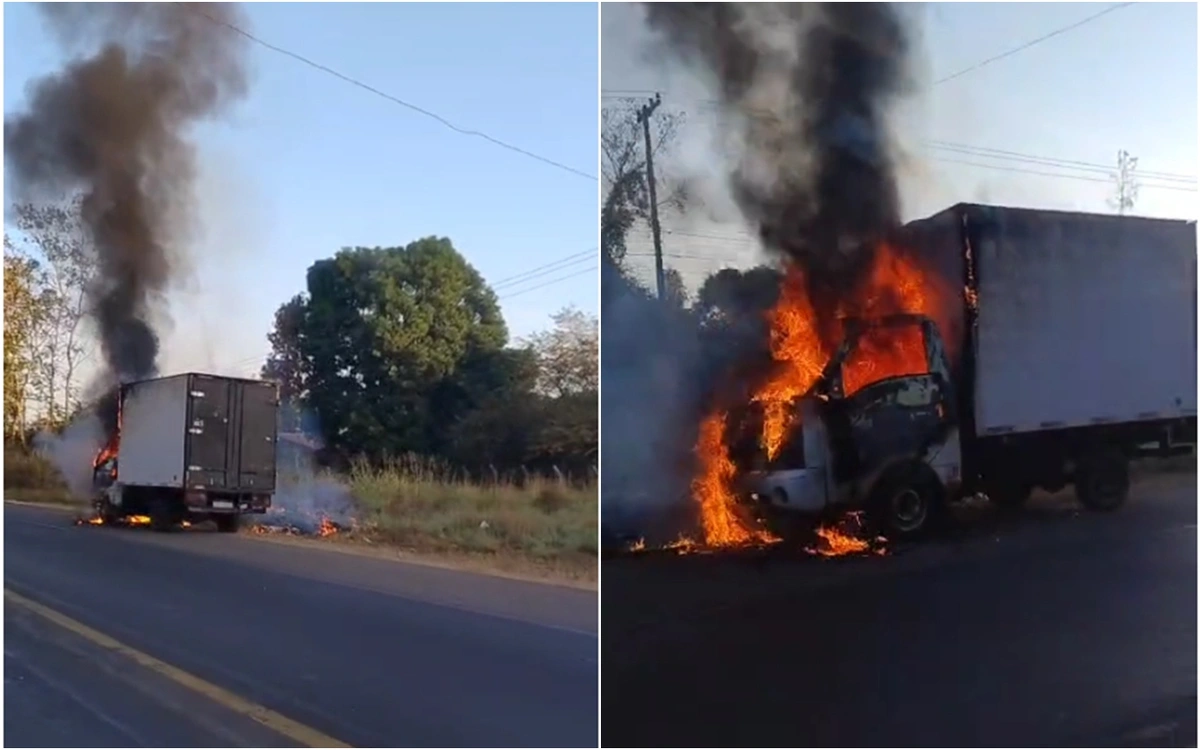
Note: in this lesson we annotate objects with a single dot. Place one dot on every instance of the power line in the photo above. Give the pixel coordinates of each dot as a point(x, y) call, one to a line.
point(394, 99)
point(591, 259)
point(548, 283)
point(1031, 43)
point(551, 266)
point(1082, 178)
point(995, 153)
point(634, 93)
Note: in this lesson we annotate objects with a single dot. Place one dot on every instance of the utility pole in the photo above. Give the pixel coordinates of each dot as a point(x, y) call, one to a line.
point(644, 118)
point(1126, 179)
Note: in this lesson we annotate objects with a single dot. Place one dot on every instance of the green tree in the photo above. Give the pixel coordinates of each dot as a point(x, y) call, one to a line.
point(731, 295)
point(24, 313)
point(286, 365)
point(379, 336)
point(57, 236)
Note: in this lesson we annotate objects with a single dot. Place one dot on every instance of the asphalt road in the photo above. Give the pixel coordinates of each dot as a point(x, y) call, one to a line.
point(371, 652)
point(1055, 628)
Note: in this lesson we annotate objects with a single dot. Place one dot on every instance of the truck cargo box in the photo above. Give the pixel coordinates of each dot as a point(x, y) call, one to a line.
point(1082, 319)
point(199, 432)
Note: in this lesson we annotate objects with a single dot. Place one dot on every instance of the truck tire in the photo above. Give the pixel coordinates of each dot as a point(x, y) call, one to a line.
point(228, 523)
point(164, 516)
point(907, 500)
point(1102, 479)
point(107, 512)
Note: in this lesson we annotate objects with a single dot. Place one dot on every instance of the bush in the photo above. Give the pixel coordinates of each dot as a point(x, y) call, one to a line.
point(28, 476)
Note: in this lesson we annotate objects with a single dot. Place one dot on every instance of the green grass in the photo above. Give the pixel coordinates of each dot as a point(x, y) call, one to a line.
point(544, 524)
point(30, 478)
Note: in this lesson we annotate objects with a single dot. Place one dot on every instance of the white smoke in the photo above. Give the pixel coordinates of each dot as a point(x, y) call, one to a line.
point(73, 450)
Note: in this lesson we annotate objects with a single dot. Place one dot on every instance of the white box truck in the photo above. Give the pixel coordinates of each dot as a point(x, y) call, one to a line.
point(190, 447)
point(1077, 352)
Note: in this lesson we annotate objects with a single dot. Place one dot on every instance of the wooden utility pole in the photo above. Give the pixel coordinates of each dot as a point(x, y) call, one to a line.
point(644, 118)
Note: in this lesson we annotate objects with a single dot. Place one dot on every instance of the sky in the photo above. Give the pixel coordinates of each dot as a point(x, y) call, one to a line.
point(1126, 80)
point(309, 164)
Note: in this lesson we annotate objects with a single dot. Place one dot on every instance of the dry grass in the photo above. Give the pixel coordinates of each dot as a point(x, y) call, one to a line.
point(32, 479)
point(545, 527)
point(543, 524)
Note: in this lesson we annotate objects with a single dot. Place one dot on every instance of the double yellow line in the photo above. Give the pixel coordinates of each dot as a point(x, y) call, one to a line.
point(278, 723)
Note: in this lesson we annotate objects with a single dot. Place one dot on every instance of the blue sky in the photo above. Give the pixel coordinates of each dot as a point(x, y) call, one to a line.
point(1126, 80)
point(309, 163)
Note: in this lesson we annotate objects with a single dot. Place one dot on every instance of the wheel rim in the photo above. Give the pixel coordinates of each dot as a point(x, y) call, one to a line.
point(908, 509)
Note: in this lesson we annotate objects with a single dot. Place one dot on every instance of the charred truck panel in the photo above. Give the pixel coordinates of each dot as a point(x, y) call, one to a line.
point(190, 446)
point(1071, 349)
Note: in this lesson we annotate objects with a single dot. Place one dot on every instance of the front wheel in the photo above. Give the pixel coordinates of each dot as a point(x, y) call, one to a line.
point(907, 500)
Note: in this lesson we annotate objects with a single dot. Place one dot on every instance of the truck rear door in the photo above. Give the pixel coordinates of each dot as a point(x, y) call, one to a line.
point(257, 428)
point(208, 433)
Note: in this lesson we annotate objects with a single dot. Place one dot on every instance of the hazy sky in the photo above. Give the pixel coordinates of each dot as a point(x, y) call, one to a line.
point(1126, 80)
point(309, 163)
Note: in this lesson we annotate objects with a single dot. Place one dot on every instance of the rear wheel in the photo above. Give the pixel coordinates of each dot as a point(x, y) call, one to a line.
point(907, 500)
point(108, 513)
point(228, 523)
point(1102, 479)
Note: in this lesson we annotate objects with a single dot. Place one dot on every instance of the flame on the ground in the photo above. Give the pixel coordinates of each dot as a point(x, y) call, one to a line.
point(326, 527)
point(683, 545)
point(801, 342)
point(638, 546)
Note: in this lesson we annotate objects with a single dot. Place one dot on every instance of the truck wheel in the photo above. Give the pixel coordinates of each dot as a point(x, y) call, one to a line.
point(163, 515)
point(906, 500)
point(228, 523)
point(1102, 479)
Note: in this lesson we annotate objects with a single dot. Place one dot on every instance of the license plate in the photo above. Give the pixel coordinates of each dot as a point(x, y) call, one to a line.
point(222, 504)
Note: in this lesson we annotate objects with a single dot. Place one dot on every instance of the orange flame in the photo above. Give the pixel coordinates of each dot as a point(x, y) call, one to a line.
point(327, 527)
point(801, 341)
point(723, 525)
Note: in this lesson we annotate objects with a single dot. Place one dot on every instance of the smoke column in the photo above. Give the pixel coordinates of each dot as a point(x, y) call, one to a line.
point(113, 127)
point(805, 90)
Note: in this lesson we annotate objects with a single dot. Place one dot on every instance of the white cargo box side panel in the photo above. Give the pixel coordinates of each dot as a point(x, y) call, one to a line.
point(1084, 320)
point(153, 431)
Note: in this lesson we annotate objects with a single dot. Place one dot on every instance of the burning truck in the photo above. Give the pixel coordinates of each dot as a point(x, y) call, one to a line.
point(986, 350)
point(189, 447)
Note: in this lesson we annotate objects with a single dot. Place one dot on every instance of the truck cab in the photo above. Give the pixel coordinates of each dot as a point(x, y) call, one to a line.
point(884, 439)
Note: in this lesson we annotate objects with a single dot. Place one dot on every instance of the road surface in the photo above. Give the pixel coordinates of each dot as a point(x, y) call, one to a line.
point(230, 640)
point(1055, 628)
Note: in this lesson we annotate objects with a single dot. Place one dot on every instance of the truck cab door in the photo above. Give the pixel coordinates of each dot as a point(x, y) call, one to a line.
point(894, 417)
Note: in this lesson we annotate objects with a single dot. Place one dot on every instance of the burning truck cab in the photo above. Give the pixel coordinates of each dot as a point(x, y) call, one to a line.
point(867, 416)
point(1069, 350)
point(189, 447)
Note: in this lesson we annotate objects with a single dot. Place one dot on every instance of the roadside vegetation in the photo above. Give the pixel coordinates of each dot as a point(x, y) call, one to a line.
point(385, 352)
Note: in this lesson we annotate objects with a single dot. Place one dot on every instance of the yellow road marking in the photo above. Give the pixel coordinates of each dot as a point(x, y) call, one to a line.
point(293, 730)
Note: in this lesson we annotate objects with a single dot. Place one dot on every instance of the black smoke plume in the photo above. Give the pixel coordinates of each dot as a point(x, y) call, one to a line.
point(805, 90)
point(113, 126)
